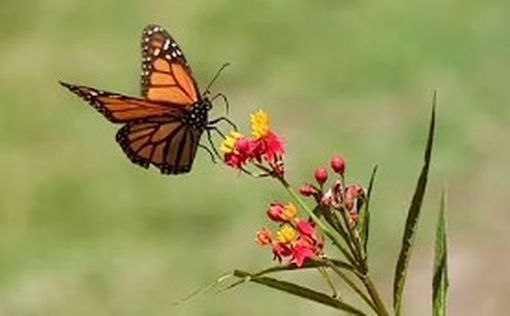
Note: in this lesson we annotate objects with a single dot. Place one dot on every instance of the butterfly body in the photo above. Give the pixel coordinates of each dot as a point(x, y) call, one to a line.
point(163, 127)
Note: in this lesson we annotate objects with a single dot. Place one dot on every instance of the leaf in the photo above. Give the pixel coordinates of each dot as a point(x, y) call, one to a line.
point(365, 214)
point(291, 267)
point(299, 291)
point(440, 279)
point(412, 219)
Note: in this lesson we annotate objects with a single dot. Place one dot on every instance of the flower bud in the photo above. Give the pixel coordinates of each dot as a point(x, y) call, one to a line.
point(354, 191)
point(338, 164)
point(307, 190)
point(305, 228)
point(274, 212)
point(321, 175)
point(327, 198)
point(264, 237)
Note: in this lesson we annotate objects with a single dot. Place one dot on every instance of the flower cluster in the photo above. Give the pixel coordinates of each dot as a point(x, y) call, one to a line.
point(264, 149)
point(296, 238)
point(344, 198)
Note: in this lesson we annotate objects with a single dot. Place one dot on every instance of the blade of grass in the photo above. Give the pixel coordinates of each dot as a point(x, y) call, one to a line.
point(412, 220)
point(299, 291)
point(365, 214)
point(440, 278)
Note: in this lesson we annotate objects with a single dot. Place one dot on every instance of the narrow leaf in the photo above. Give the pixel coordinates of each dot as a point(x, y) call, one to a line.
point(412, 220)
point(365, 214)
point(299, 291)
point(440, 279)
point(291, 267)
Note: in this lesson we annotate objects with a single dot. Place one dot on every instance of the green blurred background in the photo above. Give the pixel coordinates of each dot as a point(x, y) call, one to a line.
point(85, 232)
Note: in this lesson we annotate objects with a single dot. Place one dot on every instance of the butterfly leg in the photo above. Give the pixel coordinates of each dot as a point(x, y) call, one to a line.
point(225, 100)
point(216, 129)
point(211, 143)
point(225, 119)
point(209, 152)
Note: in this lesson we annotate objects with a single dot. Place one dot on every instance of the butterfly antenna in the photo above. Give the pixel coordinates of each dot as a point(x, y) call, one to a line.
point(218, 73)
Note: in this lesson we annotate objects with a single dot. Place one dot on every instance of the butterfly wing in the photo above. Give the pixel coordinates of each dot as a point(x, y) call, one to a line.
point(166, 75)
point(118, 108)
point(154, 132)
point(161, 141)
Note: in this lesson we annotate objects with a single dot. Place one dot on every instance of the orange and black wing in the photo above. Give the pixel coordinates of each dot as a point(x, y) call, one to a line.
point(118, 108)
point(161, 141)
point(166, 75)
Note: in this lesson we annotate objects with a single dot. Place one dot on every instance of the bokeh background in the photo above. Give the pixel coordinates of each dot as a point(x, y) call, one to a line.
point(85, 232)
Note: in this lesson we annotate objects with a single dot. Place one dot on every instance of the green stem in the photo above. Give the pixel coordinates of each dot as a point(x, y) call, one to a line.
point(352, 240)
point(325, 276)
point(347, 236)
point(353, 286)
point(374, 294)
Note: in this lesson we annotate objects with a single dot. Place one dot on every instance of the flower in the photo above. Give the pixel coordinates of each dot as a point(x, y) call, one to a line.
point(289, 212)
point(338, 164)
point(286, 234)
point(300, 252)
point(305, 228)
point(264, 237)
point(265, 148)
point(269, 147)
point(307, 190)
point(321, 175)
point(274, 211)
point(228, 144)
point(259, 124)
point(281, 250)
point(295, 240)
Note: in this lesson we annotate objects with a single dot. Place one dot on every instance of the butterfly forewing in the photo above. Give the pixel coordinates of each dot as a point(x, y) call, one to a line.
point(166, 75)
point(118, 108)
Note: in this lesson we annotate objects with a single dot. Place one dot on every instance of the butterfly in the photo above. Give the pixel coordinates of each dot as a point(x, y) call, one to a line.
point(163, 127)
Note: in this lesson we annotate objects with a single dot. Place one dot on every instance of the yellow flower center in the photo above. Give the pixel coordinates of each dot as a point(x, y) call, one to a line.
point(259, 124)
point(228, 144)
point(289, 212)
point(286, 234)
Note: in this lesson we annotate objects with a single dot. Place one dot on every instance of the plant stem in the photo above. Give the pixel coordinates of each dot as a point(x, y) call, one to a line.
point(374, 294)
point(353, 286)
point(325, 276)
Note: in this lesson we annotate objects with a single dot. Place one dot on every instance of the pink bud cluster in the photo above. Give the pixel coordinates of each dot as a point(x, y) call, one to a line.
point(339, 196)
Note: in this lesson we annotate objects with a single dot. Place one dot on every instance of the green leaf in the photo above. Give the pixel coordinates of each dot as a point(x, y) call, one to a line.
point(299, 291)
point(317, 263)
point(412, 219)
point(440, 279)
point(365, 213)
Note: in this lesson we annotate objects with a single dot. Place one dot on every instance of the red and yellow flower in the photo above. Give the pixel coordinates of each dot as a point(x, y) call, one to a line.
point(264, 147)
point(295, 240)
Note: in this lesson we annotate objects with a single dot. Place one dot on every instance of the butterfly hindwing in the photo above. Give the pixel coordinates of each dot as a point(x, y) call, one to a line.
point(166, 75)
point(118, 108)
point(165, 143)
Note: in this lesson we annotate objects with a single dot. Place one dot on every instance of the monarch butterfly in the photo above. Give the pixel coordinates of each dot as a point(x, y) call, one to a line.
point(164, 127)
